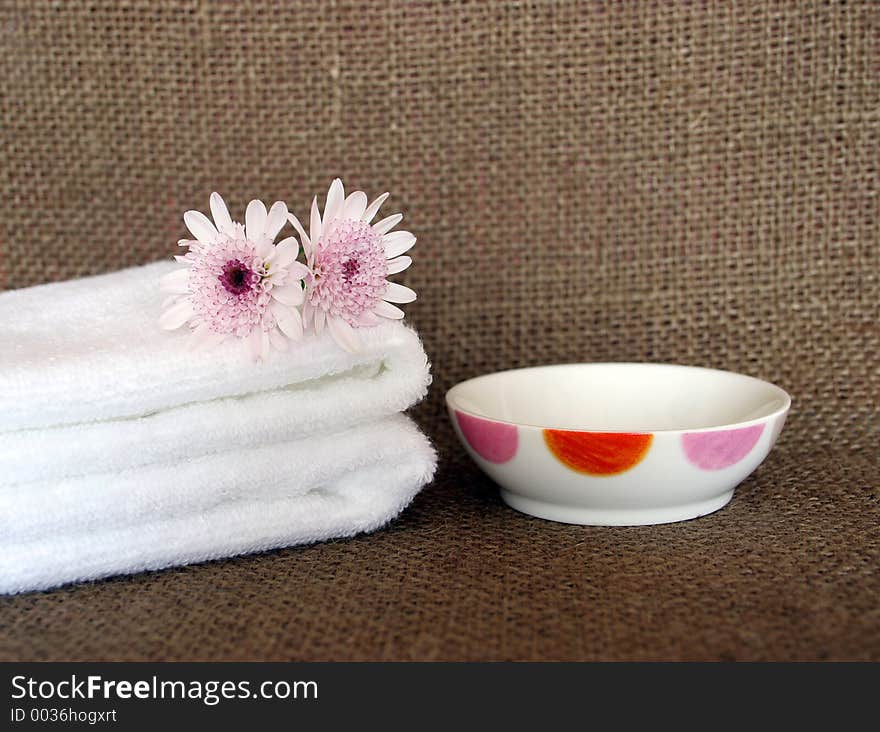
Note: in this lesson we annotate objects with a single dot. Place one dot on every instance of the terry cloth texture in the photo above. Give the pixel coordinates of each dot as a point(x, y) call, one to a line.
point(89, 375)
point(123, 449)
point(240, 501)
point(620, 181)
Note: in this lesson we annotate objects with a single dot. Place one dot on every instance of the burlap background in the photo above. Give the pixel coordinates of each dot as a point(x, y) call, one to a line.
point(588, 181)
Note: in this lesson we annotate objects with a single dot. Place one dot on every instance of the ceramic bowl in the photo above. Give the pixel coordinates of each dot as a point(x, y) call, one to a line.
point(617, 443)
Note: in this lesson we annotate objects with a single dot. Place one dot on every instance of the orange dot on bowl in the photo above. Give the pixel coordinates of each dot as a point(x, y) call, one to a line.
point(598, 453)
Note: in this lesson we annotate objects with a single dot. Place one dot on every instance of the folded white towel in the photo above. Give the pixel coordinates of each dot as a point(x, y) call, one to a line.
point(326, 404)
point(224, 399)
point(90, 349)
point(240, 502)
point(121, 449)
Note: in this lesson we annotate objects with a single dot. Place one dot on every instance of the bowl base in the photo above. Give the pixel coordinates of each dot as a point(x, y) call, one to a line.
point(614, 517)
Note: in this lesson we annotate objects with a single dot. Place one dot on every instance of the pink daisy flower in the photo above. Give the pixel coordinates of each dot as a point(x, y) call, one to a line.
point(237, 283)
point(349, 259)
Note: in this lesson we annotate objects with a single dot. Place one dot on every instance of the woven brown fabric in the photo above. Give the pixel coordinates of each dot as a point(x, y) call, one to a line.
point(588, 181)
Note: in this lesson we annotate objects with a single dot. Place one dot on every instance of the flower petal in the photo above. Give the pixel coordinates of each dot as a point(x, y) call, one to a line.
point(276, 219)
point(333, 205)
point(373, 208)
point(319, 317)
point(387, 310)
point(200, 226)
point(255, 342)
point(264, 248)
point(283, 253)
point(255, 220)
point(397, 242)
point(354, 206)
point(291, 295)
point(315, 223)
point(288, 319)
point(398, 293)
point(343, 334)
point(203, 337)
point(277, 340)
point(368, 319)
point(398, 265)
point(221, 213)
point(304, 238)
point(297, 270)
point(176, 315)
point(308, 313)
point(176, 282)
point(388, 223)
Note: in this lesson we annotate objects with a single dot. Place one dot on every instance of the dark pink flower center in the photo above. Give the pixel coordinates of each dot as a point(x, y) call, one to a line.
point(237, 277)
point(350, 268)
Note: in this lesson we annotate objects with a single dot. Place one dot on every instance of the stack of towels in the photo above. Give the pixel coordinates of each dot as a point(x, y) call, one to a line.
point(121, 449)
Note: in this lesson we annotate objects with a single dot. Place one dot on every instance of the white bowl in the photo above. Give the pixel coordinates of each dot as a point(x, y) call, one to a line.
point(617, 443)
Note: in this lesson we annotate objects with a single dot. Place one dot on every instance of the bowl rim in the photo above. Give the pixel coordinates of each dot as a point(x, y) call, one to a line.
point(450, 400)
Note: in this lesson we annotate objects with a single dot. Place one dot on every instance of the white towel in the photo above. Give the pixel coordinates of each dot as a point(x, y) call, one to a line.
point(121, 449)
point(90, 349)
point(320, 405)
point(240, 502)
